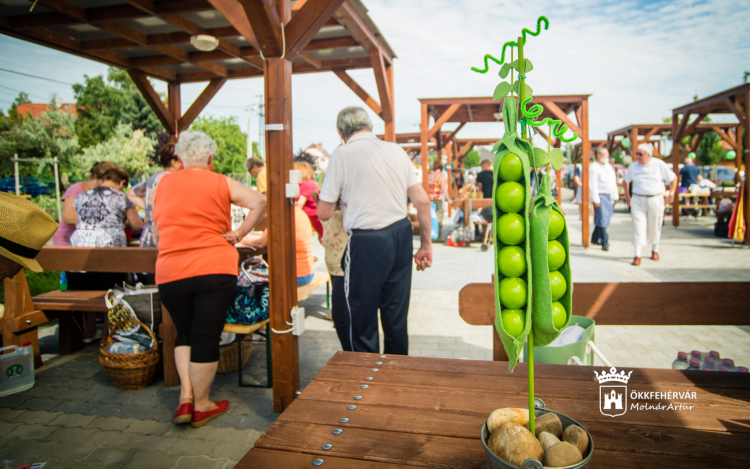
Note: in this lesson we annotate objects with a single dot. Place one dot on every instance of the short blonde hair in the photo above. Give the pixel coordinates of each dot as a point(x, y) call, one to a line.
point(647, 148)
point(194, 148)
point(306, 169)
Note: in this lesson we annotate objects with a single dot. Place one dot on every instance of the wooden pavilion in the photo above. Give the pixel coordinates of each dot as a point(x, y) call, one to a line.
point(272, 39)
point(638, 134)
point(734, 101)
point(577, 149)
point(486, 109)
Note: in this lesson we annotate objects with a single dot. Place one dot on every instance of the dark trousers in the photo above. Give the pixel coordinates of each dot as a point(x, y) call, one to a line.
point(600, 236)
point(377, 268)
point(339, 311)
point(198, 306)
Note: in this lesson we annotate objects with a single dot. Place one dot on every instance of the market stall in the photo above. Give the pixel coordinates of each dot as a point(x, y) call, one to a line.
point(214, 41)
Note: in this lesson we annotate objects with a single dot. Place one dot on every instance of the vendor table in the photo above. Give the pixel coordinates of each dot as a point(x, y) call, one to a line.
point(702, 204)
point(375, 411)
point(468, 205)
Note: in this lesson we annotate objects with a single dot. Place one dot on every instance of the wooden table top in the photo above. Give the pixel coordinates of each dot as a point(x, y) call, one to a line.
point(428, 412)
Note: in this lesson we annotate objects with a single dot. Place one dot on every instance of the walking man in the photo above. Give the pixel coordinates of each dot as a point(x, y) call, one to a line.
point(648, 176)
point(603, 194)
point(370, 180)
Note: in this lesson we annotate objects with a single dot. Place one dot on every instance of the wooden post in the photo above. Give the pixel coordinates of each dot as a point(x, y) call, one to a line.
point(423, 141)
point(585, 153)
point(746, 186)
point(174, 106)
point(676, 166)
point(281, 240)
point(390, 126)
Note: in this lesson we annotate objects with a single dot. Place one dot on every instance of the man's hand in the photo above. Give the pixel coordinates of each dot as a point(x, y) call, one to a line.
point(596, 205)
point(423, 258)
point(668, 199)
point(316, 195)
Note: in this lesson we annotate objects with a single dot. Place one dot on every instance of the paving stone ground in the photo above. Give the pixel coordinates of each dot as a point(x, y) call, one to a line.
point(74, 418)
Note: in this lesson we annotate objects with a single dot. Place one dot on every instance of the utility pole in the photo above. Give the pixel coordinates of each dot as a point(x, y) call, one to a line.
point(249, 135)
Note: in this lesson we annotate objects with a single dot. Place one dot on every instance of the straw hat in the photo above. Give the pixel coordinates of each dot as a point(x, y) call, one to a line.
point(24, 229)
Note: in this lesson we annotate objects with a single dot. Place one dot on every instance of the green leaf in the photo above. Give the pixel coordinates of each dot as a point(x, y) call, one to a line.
point(517, 88)
point(527, 66)
point(497, 146)
point(541, 158)
point(504, 70)
point(501, 91)
point(556, 158)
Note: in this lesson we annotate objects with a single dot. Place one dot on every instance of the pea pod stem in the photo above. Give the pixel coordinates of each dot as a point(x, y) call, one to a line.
point(521, 41)
point(558, 129)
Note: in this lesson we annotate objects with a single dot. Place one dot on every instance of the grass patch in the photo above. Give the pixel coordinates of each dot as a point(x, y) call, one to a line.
point(39, 283)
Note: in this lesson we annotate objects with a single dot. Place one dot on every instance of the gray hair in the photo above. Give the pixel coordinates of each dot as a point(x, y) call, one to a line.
point(647, 148)
point(353, 119)
point(194, 148)
point(596, 151)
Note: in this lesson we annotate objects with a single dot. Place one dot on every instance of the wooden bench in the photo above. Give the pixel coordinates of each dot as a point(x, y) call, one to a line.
point(632, 303)
point(23, 314)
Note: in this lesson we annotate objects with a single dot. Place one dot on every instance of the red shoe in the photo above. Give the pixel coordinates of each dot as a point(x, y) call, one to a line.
point(184, 413)
point(655, 256)
point(202, 418)
point(636, 261)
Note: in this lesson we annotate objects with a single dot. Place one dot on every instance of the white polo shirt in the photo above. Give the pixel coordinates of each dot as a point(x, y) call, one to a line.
point(649, 179)
point(602, 180)
point(369, 177)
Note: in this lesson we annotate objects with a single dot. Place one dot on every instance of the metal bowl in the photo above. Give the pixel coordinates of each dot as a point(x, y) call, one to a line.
point(493, 462)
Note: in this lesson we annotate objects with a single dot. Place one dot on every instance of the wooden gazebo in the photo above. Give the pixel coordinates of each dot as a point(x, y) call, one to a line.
point(653, 133)
point(486, 109)
point(577, 153)
point(272, 39)
point(734, 101)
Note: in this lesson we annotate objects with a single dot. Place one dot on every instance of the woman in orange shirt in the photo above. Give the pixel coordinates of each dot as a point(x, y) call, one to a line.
point(197, 266)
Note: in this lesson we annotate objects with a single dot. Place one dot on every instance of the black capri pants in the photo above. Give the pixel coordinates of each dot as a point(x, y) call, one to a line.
point(198, 306)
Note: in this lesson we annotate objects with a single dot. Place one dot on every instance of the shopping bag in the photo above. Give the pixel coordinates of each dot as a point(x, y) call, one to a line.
point(250, 303)
point(144, 301)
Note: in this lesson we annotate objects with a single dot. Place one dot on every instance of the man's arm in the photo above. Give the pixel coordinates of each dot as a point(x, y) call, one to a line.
point(672, 190)
point(593, 188)
point(326, 209)
point(419, 198)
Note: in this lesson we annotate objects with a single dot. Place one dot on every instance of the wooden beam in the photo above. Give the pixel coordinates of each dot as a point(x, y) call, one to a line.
point(312, 59)
point(736, 110)
point(348, 16)
point(466, 148)
point(468, 111)
point(680, 131)
point(689, 129)
point(153, 100)
point(174, 104)
point(266, 25)
point(452, 135)
point(390, 126)
point(559, 114)
point(650, 134)
point(425, 122)
point(200, 103)
point(443, 119)
point(65, 7)
point(306, 23)
point(586, 151)
point(378, 66)
point(233, 12)
point(732, 142)
point(676, 124)
point(359, 91)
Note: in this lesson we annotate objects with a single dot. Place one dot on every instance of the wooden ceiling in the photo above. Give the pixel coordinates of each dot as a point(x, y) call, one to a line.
point(153, 36)
point(486, 109)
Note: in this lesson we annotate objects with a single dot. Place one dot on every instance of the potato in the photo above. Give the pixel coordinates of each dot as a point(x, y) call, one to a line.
point(547, 440)
point(562, 454)
point(576, 436)
point(549, 423)
point(508, 414)
point(514, 444)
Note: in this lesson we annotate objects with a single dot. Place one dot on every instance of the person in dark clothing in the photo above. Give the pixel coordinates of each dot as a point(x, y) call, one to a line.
point(485, 184)
point(458, 178)
point(689, 173)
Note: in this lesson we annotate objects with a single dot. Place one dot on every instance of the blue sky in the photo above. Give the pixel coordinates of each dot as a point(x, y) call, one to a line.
point(638, 59)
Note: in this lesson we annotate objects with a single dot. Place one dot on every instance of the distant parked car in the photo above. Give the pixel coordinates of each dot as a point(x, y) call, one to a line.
point(723, 174)
point(30, 186)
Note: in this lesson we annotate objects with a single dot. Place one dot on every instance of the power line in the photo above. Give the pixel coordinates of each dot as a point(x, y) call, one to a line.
point(19, 91)
point(34, 76)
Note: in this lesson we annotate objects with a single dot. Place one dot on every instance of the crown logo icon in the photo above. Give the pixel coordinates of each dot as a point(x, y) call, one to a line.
point(613, 376)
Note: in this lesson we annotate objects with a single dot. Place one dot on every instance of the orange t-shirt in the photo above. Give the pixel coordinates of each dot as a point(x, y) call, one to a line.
point(303, 237)
point(192, 209)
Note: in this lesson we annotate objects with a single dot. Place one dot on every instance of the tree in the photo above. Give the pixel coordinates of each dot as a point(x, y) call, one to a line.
point(231, 142)
point(49, 136)
point(20, 99)
point(102, 105)
point(471, 160)
point(746, 76)
point(709, 151)
point(129, 149)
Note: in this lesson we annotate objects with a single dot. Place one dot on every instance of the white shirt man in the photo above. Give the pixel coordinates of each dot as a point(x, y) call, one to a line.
point(649, 177)
point(603, 194)
point(370, 180)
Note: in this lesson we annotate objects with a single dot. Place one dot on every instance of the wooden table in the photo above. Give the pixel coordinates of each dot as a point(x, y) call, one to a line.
point(471, 204)
point(428, 412)
point(702, 204)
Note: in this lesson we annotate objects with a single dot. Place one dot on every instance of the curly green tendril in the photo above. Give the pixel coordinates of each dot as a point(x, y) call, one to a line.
point(524, 31)
point(556, 126)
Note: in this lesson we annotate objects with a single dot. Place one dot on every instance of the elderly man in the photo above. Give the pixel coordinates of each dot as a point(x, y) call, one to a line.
point(257, 169)
point(603, 194)
point(24, 229)
point(370, 180)
point(648, 176)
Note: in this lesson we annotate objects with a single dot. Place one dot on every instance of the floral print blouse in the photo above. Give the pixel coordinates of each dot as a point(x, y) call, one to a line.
point(101, 218)
point(147, 190)
point(334, 241)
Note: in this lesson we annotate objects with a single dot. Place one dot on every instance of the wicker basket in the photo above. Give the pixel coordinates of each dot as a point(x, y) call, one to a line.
point(228, 355)
point(130, 371)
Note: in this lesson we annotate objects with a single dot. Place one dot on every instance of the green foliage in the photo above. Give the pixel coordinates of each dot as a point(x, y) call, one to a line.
point(127, 148)
point(709, 151)
point(746, 76)
point(231, 142)
point(48, 203)
point(39, 283)
point(102, 105)
point(20, 99)
point(471, 160)
point(49, 136)
point(617, 156)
